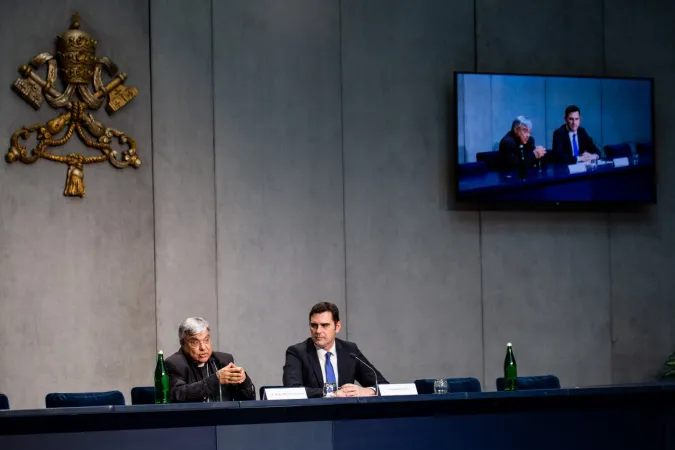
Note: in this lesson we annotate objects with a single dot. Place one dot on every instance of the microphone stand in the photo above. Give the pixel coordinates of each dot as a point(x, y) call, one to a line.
point(377, 386)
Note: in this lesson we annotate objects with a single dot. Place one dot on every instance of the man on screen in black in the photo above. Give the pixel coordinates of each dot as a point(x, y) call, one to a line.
point(517, 146)
point(323, 358)
point(571, 142)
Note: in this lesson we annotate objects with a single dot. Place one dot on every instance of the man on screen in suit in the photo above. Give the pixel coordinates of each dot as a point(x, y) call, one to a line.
point(324, 358)
point(517, 146)
point(571, 142)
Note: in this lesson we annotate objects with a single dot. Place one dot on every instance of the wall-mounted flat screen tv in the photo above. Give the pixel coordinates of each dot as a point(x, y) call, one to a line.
point(554, 139)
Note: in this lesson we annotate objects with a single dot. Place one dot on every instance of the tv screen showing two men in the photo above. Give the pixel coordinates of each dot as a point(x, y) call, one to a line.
point(554, 139)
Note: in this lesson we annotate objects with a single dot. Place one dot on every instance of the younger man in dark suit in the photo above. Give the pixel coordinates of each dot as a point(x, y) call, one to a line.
point(324, 358)
point(571, 142)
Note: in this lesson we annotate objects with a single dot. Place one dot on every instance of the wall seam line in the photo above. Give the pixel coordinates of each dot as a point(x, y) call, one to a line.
point(215, 185)
point(152, 174)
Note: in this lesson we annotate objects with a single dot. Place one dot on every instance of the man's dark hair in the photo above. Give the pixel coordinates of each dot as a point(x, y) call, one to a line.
point(570, 109)
point(323, 307)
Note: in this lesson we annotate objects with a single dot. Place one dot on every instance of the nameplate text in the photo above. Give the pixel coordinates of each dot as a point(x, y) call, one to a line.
point(398, 389)
point(577, 168)
point(621, 162)
point(295, 393)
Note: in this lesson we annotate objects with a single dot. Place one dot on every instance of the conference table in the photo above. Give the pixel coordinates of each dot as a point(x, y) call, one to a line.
point(640, 417)
point(603, 182)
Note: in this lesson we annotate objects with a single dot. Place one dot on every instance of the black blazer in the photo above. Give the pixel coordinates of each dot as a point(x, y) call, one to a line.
point(186, 383)
point(562, 147)
point(302, 367)
point(509, 152)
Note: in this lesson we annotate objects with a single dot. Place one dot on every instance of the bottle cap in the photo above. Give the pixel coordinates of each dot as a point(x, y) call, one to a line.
point(160, 352)
point(508, 344)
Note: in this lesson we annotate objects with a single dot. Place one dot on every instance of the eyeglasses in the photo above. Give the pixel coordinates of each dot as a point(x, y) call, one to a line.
point(194, 343)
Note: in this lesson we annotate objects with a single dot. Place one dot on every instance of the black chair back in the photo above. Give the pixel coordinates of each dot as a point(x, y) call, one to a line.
point(473, 168)
point(530, 383)
point(617, 151)
point(469, 384)
point(143, 395)
point(70, 400)
point(4, 402)
point(491, 160)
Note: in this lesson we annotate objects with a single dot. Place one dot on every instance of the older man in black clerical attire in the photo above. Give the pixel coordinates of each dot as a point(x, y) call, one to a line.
point(517, 150)
point(198, 374)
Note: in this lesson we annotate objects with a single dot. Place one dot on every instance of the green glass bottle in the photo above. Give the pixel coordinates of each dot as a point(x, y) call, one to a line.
point(161, 380)
point(510, 370)
point(522, 167)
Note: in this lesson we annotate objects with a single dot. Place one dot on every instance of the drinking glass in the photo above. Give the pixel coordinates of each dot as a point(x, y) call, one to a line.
point(329, 390)
point(636, 159)
point(440, 386)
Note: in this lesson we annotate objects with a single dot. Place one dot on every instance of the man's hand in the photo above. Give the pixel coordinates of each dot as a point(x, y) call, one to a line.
point(539, 152)
point(586, 157)
point(352, 390)
point(231, 374)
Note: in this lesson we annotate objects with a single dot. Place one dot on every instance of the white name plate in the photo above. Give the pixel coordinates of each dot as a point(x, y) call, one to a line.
point(577, 168)
point(621, 162)
point(295, 393)
point(398, 389)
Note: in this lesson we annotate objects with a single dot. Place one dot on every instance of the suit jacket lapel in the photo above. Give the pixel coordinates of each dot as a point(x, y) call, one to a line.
point(568, 144)
point(582, 136)
point(314, 362)
point(343, 363)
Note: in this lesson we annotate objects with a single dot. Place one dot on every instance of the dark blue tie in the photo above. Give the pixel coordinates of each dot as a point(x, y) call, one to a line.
point(575, 146)
point(330, 374)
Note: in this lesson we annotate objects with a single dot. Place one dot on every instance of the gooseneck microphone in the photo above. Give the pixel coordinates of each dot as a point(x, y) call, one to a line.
point(377, 386)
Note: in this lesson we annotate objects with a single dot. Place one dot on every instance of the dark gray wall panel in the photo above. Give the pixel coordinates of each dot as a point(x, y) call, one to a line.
point(185, 225)
point(546, 290)
point(640, 41)
point(278, 174)
point(553, 37)
point(77, 291)
point(413, 268)
point(546, 285)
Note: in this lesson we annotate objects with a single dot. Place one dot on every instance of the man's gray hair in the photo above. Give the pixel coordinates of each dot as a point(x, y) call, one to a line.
point(521, 120)
point(192, 326)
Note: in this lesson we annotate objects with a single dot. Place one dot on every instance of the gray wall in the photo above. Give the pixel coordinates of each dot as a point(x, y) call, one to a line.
point(77, 279)
point(298, 151)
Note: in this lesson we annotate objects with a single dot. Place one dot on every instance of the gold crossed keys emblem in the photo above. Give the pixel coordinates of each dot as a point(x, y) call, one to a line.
point(78, 66)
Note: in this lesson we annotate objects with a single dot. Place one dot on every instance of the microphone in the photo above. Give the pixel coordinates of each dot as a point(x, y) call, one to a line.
point(377, 386)
point(220, 386)
point(601, 150)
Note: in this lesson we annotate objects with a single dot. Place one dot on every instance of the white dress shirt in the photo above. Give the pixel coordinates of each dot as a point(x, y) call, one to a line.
point(321, 353)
